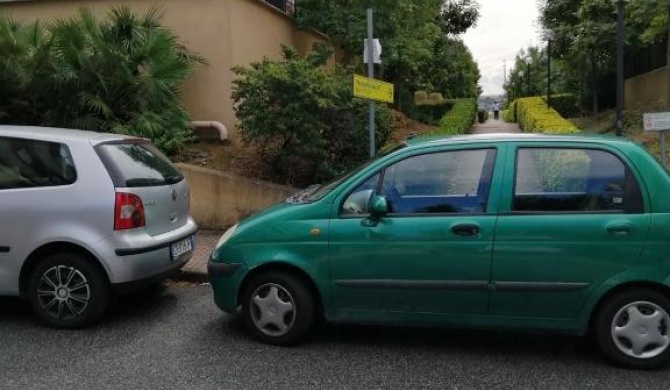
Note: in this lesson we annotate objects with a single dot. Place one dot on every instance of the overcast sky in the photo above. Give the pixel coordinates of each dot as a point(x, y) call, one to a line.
point(504, 27)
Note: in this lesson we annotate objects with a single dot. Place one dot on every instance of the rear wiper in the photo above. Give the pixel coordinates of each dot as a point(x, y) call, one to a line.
point(144, 182)
point(173, 179)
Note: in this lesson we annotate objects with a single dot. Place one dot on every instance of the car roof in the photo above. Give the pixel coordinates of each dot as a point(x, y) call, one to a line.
point(424, 141)
point(60, 135)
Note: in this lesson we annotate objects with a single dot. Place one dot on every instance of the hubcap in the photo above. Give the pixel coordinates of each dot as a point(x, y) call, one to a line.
point(63, 292)
point(640, 330)
point(272, 309)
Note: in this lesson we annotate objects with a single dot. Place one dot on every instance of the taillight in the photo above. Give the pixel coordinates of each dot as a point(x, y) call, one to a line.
point(128, 211)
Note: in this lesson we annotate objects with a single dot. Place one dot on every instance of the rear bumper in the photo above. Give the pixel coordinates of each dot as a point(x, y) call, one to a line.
point(144, 259)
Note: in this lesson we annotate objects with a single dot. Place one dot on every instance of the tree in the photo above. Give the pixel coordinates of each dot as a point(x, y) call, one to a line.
point(585, 44)
point(412, 33)
point(458, 16)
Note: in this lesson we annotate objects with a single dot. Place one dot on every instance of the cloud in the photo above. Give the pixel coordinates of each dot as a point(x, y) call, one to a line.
point(504, 27)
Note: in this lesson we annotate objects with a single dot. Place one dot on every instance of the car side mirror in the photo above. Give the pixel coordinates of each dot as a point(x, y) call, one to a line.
point(378, 207)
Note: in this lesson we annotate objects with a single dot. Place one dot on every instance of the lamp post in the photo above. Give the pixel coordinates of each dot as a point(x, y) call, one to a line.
point(520, 91)
point(530, 91)
point(619, 72)
point(549, 36)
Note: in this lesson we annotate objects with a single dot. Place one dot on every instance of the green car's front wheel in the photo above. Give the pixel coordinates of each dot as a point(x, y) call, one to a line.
point(278, 308)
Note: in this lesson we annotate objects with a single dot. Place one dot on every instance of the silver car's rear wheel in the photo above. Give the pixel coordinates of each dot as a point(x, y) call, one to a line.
point(68, 290)
point(63, 292)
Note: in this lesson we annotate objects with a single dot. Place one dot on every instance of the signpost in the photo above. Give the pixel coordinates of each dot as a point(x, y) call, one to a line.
point(372, 89)
point(658, 122)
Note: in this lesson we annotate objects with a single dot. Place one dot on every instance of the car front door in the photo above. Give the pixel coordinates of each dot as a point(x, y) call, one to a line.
point(571, 218)
point(432, 252)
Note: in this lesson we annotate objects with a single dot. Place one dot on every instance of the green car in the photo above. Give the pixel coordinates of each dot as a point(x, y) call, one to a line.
point(507, 231)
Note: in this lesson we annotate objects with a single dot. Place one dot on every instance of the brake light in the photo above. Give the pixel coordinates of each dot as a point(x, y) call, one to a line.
point(128, 211)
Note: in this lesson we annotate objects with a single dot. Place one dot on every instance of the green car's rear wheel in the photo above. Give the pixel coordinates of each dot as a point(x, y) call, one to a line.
point(633, 329)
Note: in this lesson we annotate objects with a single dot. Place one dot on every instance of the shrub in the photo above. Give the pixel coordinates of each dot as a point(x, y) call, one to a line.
point(459, 120)
point(509, 115)
point(534, 116)
point(302, 118)
point(122, 75)
point(482, 116)
point(566, 104)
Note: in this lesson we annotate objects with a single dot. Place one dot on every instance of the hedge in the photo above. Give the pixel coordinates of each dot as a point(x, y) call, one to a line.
point(459, 120)
point(534, 116)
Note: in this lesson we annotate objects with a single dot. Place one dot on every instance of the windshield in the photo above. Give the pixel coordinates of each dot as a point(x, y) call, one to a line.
point(319, 192)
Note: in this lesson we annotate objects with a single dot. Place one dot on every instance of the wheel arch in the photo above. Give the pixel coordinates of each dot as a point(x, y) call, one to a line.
point(52, 248)
point(278, 266)
point(628, 286)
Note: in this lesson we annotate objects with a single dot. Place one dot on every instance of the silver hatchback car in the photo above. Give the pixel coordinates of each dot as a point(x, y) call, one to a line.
point(84, 215)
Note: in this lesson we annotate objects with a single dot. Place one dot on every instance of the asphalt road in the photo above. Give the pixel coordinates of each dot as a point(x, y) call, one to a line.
point(176, 338)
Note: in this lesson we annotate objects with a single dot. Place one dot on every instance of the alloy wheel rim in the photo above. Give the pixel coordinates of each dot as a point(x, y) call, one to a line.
point(640, 330)
point(273, 309)
point(63, 292)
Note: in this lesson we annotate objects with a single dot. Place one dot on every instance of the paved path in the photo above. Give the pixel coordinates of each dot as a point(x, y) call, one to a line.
point(495, 126)
point(205, 242)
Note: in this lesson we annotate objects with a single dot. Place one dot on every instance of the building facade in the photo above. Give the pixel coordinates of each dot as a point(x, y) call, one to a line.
point(227, 33)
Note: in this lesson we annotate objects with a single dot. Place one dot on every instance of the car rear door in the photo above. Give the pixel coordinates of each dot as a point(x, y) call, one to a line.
point(571, 218)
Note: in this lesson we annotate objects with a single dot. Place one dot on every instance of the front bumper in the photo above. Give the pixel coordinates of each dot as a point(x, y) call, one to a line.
point(226, 279)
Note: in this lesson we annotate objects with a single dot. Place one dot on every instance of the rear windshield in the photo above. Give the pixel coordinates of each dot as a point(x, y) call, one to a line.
point(138, 164)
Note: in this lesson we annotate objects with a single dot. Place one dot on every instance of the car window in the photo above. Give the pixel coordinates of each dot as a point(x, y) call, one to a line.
point(445, 182)
point(28, 163)
point(138, 165)
point(573, 180)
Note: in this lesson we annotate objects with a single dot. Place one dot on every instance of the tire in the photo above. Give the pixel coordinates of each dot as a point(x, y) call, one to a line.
point(276, 298)
point(80, 298)
point(648, 328)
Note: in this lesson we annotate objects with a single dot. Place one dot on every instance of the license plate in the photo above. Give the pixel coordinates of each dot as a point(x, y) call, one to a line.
point(179, 248)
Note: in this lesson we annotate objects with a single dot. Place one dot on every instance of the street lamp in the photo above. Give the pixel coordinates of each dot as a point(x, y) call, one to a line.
point(619, 72)
point(549, 36)
point(521, 74)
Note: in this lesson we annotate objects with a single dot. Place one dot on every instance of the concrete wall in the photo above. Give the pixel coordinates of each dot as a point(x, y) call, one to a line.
point(226, 32)
point(219, 199)
point(648, 90)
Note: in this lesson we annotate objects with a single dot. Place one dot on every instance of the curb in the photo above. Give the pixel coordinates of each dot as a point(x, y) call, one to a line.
point(192, 276)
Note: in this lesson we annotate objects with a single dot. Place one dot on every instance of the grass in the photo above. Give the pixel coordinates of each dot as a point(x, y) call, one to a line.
point(604, 123)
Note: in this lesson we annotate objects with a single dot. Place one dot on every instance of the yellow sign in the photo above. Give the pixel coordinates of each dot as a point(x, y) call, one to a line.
point(368, 88)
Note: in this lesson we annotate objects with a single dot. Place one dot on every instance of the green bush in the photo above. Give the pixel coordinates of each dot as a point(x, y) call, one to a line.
point(459, 120)
point(124, 74)
point(534, 116)
point(303, 119)
point(566, 104)
point(430, 114)
point(509, 114)
point(482, 116)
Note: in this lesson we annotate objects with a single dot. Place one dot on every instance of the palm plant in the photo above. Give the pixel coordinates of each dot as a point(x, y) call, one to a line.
point(123, 75)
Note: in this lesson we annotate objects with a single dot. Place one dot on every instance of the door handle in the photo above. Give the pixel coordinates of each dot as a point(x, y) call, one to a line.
point(465, 229)
point(618, 229)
